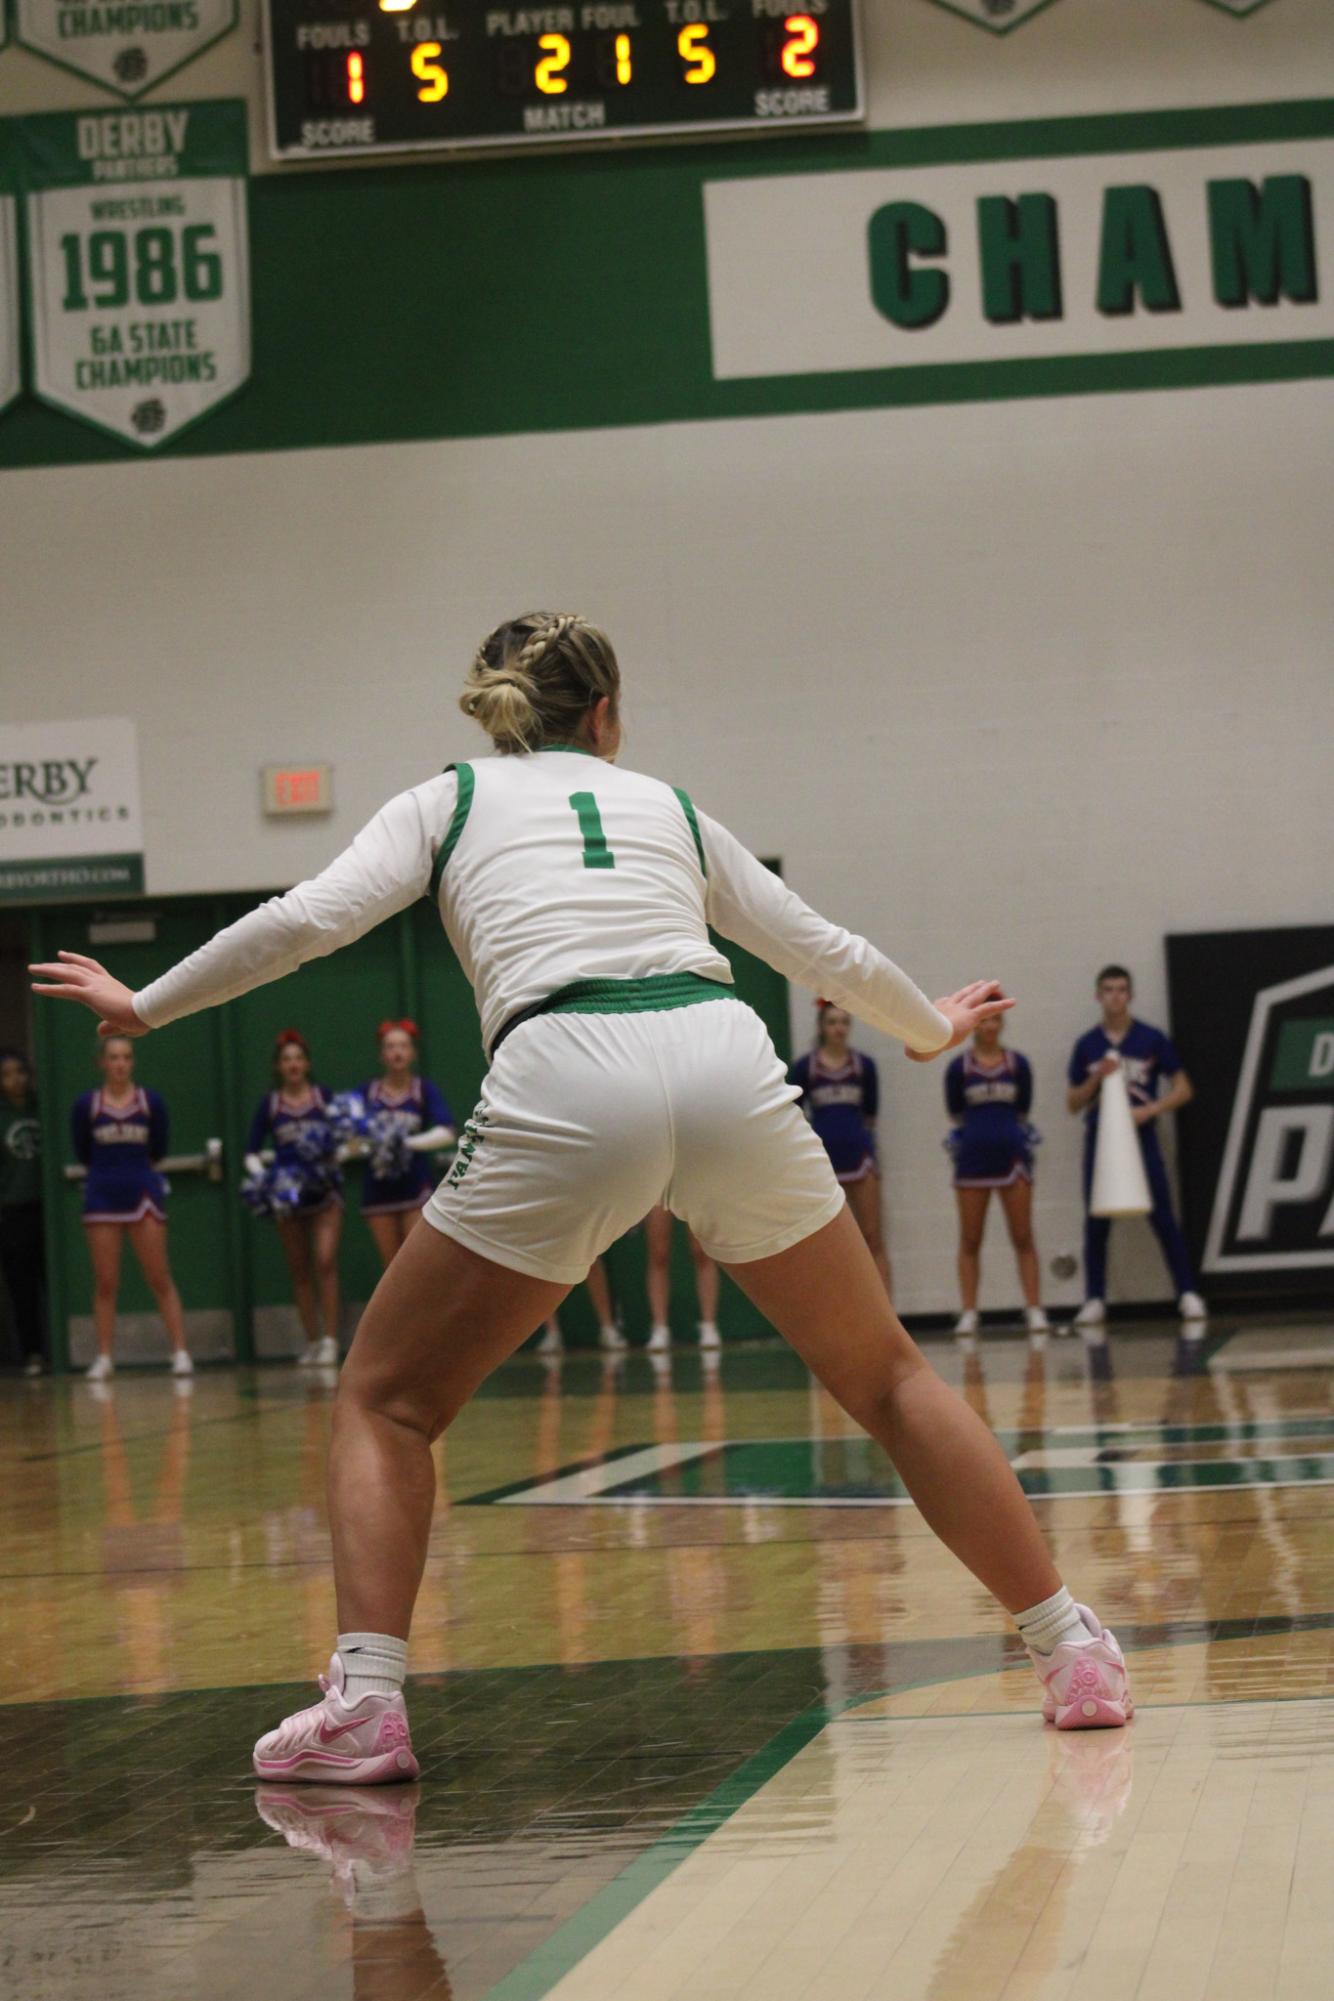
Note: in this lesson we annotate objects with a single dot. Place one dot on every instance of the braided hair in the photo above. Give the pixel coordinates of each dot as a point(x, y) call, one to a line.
point(535, 679)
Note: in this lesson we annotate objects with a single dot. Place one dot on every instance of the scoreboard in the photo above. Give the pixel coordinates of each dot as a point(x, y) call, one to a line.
point(350, 77)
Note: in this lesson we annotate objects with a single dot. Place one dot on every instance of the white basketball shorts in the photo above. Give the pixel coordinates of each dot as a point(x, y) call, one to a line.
point(586, 1121)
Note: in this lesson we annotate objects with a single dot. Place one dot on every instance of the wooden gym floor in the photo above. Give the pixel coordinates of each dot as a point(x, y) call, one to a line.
point(703, 1709)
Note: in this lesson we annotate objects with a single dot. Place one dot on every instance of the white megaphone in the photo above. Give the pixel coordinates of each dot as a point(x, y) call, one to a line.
point(1120, 1185)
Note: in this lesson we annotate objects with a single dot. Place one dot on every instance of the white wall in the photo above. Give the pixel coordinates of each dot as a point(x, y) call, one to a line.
point(1012, 687)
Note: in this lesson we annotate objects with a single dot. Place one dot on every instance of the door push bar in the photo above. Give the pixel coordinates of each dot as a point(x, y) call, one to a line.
point(208, 1163)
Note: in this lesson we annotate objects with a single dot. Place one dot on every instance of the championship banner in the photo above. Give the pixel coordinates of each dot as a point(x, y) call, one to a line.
point(10, 347)
point(998, 15)
point(1253, 1016)
point(128, 46)
point(71, 824)
point(138, 264)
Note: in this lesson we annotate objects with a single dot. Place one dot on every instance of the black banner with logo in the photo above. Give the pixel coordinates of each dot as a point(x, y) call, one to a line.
point(1253, 1016)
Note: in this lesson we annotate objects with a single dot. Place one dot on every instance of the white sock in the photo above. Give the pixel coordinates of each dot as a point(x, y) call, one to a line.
point(374, 1664)
point(1044, 1626)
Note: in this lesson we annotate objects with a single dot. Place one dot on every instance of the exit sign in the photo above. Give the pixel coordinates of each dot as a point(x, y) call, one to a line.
point(297, 788)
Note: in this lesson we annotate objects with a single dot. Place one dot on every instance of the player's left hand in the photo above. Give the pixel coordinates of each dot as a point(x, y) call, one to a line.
point(74, 977)
point(979, 1001)
point(1142, 1114)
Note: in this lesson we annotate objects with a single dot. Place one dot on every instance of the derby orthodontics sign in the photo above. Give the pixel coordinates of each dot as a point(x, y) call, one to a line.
point(71, 824)
point(984, 263)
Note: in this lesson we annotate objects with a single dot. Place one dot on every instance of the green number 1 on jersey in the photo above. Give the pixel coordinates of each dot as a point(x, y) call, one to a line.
point(596, 852)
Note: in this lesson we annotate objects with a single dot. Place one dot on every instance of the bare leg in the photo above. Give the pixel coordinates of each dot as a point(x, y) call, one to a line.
point(706, 1281)
point(657, 1277)
point(387, 1237)
point(149, 1238)
point(440, 1320)
point(104, 1242)
point(296, 1249)
point(1017, 1202)
point(325, 1232)
point(864, 1200)
point(825, 1295)
point(599, 1291)
point(972, 1222)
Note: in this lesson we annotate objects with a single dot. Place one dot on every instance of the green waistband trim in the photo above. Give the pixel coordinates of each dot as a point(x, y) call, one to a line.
point(653, 995)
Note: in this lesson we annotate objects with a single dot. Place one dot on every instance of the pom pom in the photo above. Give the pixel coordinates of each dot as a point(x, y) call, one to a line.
point(387, 1141)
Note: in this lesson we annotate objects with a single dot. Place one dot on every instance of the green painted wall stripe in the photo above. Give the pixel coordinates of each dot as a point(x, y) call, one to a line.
point(467, 786)
point(689, 807)
point(429, 359)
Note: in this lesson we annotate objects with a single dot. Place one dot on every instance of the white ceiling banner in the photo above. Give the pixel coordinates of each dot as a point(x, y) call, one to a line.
point(10, 339)
point(999, 16)
point(127, 48)
point(138, 263)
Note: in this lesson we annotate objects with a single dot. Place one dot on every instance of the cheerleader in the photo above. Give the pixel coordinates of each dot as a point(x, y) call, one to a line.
point(119, 1132)
point(417, 1111)
point(840, 1094)
point(989, 1093)
point(294, 1118)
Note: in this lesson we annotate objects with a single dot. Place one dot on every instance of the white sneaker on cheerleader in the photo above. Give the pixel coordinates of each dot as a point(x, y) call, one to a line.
point(1191, 1307)
point(1036, 1321)
point(611, 1340)
point(660, 1341)
point(1092, 1313)
point(98, 1371)
point(709, 1337)
point(365, 1743)
point(1084, 1681)
point(324, 1354)
point(181, 1365)
point(966, 1322)
point(552, 1342)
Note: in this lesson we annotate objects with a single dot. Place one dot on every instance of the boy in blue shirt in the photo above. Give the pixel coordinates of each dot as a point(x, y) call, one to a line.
point(1148, 1058)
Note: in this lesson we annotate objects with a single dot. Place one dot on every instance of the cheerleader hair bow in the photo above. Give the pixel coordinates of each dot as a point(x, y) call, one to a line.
point(408, 1027)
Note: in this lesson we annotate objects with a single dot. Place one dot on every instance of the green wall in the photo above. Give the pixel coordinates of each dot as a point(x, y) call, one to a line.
point(567, 291)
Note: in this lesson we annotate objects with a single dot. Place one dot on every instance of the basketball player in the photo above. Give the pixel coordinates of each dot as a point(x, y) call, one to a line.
point(624, 1072)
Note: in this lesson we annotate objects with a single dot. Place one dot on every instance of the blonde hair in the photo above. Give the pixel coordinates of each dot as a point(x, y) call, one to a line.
point(535, 679)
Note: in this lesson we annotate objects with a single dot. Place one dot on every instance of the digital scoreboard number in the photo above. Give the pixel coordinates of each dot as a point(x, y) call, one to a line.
point(353, 76)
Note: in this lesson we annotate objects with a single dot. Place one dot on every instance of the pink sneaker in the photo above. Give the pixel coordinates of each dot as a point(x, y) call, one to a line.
point(366, 1743)
point(1085, 1680)
point(366, 1836)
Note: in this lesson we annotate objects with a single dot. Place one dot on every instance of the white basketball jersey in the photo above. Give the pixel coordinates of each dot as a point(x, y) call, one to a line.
point(550, 868)
point(559, 867)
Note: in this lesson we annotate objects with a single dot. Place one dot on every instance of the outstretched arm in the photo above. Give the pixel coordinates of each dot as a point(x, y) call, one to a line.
point(386, 868)
point(749, 904)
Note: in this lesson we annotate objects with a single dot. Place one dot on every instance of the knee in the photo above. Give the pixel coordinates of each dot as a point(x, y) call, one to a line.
point(1022, 1241)
point(970, 1243)
point(387, 1399)
point(105, 1291)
